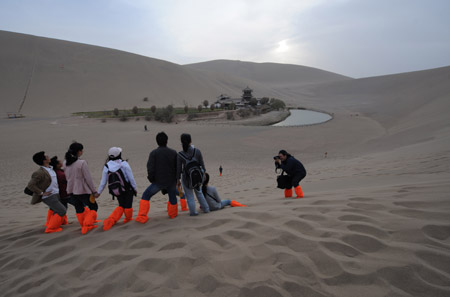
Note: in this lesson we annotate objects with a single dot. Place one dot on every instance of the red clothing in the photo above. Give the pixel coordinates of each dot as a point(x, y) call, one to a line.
point(62, 183)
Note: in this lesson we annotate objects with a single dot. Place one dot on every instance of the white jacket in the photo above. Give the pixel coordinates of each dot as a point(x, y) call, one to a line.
point(113, 166)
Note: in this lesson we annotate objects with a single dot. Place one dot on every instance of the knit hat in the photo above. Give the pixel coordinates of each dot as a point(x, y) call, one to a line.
point(114, 152)
point(39, 158)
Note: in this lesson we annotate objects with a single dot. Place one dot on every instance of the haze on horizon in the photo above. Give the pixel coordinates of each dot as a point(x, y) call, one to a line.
point(357, 38)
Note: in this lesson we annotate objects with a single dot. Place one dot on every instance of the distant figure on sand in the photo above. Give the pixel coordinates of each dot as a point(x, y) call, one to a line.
point(44, 185)
point(117, 173)
point(145, 127)
point(213, 199)
point(191, 169)
point(81, 186)
point(220, 170)
point(295, 169)
point(62, 185)
point(161, 172)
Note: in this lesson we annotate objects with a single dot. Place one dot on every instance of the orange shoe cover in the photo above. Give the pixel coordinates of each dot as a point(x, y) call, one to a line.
point(113, 218)
point(173, 210)
point(183, 205)
point(235, 203)
point(128, 215)
point(287, 193)
point(49, 216)
point(299, 191)
point(54, 225)
point(144, 207)
point(65, 221)
point(81, 216)
point(89, 221)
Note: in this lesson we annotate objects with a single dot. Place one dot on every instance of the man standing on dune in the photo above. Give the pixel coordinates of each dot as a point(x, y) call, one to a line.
point(162, 170)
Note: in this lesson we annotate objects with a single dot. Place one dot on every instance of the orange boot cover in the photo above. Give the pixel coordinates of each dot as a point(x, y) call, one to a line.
point(235, 203)
point(183, 205)
point(65, 221)
point(89, 221)
point(128, 215)
point(144, 207)
point(49, 216)
point(54, 225)
point(299, 191)
point(113, 218)
point(173, 210)
point(81, 216)
point(287, 193)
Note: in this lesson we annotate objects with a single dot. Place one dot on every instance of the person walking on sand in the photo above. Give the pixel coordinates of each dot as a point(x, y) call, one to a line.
point(190, 172)
point(161, 172)
point(295, 169)
point(44, 185)
point(213, 199)
point(220, 170)
point(81, 186)
point(122, 185)
point(62, 186)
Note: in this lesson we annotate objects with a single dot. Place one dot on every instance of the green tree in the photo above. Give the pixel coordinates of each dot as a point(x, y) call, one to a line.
point(253, 102)
point(200, 108)
point(264, 100)
point(116, 112)
point(135, 110)
point(212, 107)
point(170, 108)
point(205, 103)
point(186, 109)
point(153, 109)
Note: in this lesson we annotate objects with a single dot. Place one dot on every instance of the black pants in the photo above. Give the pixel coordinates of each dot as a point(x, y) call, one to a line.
point(67, 200)
point(296, 179)
point(80, 201)
point(126, 199)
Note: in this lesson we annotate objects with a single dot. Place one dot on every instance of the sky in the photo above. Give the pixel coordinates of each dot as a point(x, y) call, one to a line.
point(357, 38)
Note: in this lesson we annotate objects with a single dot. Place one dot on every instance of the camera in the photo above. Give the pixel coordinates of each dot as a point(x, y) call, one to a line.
point(276, 158)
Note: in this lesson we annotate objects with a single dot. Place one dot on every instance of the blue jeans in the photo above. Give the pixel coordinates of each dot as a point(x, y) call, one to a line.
point(225, 203)
point(154, 188)
point(189, 193)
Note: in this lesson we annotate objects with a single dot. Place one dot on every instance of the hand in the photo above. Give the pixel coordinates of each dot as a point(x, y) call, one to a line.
point(96, 195)
point(178, 184)
point(278, 161)
point(46, 193)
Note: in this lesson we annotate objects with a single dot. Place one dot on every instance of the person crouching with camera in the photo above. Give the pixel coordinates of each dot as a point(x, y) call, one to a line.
point(294, 169)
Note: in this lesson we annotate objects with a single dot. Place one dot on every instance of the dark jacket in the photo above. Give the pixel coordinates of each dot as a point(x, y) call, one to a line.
point(293, 167)
point(162, 167)
point(191, 153)
point(62, 183)
point(40, 181)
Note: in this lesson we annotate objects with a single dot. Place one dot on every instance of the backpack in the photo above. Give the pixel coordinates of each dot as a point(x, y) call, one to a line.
point(117, 184)
point(193, 171)
point(284, 181)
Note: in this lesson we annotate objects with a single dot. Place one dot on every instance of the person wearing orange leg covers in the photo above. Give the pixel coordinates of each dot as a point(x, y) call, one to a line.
point(121, 184)
point(295, 169)
point(44, 185)
point(161, 172)
point(213, 199)
point(80, 187)
point(62, 185)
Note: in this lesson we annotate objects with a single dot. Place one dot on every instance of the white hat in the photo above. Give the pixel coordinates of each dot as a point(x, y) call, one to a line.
point(114, 151)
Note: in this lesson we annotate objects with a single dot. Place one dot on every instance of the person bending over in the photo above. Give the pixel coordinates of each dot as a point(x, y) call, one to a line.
point(295, 169)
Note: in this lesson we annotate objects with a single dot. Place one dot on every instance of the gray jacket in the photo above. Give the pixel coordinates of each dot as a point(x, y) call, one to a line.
point(213, 199)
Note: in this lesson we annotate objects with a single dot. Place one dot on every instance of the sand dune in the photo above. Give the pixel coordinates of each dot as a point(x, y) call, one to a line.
point(374, 220)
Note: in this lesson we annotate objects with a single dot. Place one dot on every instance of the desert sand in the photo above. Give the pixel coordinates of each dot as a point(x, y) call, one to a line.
point(374, 220)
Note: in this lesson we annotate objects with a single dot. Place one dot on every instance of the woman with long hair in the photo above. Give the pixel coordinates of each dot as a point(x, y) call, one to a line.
point(189, 154)
point(81, 186)
point(125, 190)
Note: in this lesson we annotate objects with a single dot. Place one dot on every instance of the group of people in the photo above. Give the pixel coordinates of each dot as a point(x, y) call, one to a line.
point(57, 184)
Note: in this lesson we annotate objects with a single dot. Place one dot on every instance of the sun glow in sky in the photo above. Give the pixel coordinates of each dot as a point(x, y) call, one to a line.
point(352, 37)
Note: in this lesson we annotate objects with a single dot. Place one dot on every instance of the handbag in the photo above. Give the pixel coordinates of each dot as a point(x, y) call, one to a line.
point(284, 181)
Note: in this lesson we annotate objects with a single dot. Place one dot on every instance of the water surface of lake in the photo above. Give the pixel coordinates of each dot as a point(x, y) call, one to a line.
point(300, 117)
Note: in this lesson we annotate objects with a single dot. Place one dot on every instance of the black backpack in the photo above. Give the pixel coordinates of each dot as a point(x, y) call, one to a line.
point(117, 184)
point(193, 171)
point(284, 181)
